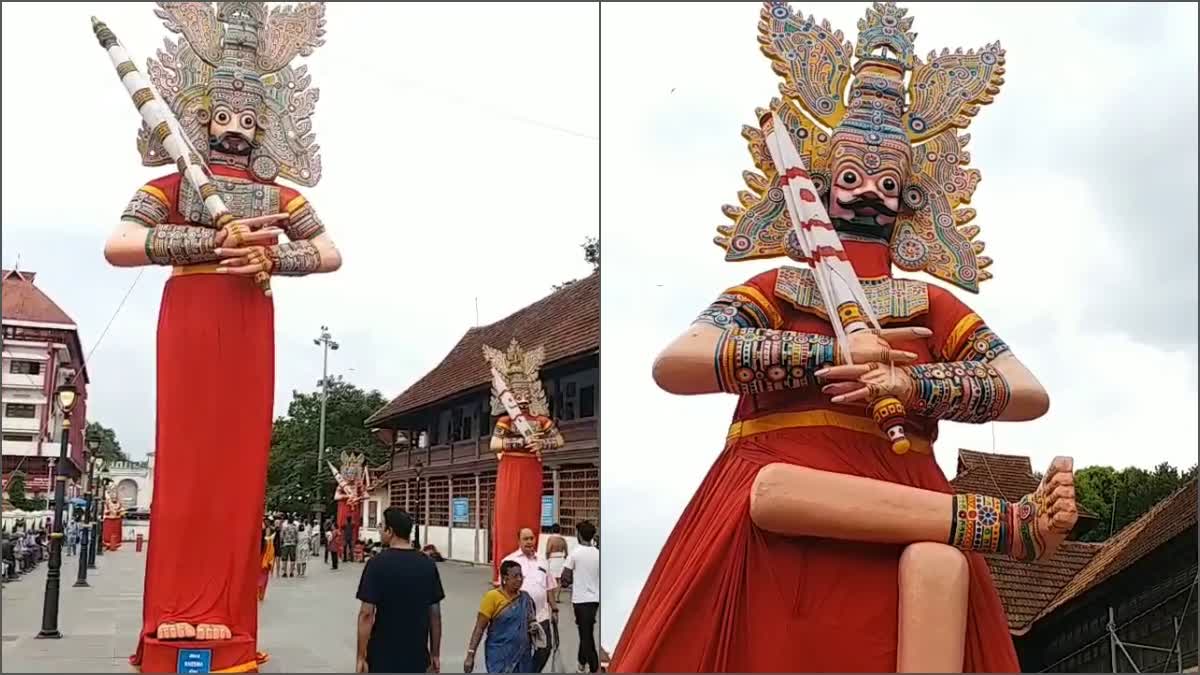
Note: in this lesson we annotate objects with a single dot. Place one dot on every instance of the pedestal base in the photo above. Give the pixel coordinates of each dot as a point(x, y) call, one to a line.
point(237, 655)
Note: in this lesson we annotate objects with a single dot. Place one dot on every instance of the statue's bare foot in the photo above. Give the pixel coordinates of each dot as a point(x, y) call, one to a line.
point(176, 631)
point(213, 631)
point(1042, 520)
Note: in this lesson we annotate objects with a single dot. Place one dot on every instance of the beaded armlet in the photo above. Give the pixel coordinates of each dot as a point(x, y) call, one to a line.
point(294, 258)
point(757, 360)
point(964, 391)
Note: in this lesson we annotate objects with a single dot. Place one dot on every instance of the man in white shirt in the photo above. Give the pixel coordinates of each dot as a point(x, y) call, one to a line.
point(582, 572)
point(538, 583)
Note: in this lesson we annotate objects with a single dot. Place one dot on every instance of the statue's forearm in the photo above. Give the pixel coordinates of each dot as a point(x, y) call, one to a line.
point(181, 245)
point(756, 360)
point(294, 258)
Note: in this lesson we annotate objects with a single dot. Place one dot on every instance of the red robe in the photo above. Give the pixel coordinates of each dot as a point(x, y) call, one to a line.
point(111, 533)
point(353, 513)
point(726, 596)
point(216, 376)
point(518, 495)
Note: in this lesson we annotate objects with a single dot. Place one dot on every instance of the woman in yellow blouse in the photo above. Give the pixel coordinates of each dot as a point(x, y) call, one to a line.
point(508, 616)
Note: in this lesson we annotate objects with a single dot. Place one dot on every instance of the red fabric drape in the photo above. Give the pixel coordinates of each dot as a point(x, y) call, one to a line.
point(354, 514)
point(110, 534)
point(216, 374)
point(725, 596)
point(518, 504)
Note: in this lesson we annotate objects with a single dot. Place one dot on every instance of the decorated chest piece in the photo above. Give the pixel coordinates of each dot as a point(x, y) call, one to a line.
point(888, 160)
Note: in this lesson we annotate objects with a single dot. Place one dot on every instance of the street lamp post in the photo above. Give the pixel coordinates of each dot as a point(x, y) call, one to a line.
point(101, 490)
point(85, 529)
point(326, 342)
point(66, 402)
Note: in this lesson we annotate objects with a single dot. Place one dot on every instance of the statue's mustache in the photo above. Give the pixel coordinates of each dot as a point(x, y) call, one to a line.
point(867, 202)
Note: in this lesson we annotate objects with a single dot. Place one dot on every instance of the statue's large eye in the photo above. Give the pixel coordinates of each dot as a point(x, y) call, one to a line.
point(222, 117)
point(889, 185)
point(247, 121)
point(848, 179)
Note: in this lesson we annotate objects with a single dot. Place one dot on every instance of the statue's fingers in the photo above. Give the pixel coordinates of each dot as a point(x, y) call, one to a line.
point(838, 388)
point(260, 221)
point(897, 356)
point(844, 372)
point(860, 394)
point(893, 335)
point(244, 270)
point(234, 262)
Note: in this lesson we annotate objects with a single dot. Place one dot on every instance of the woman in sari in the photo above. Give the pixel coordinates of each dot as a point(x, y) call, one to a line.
point(508, 616)
point(268, 560)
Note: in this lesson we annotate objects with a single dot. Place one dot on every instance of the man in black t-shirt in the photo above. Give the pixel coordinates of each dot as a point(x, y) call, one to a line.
point(400, 620)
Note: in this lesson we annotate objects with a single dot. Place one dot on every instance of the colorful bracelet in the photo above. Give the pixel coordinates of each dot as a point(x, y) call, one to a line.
point(982, 345)
point(181, 245)
point(734, 310)
point(294, 258)
point(757, 360)
point(964, 391)
point(1032, 543)
point(980, 523)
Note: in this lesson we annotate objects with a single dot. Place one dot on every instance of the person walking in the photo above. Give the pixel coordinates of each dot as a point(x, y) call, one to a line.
point(556, 556)
point(328, 539)
point(507, 614)
point(335, 546)
point(539, 584)
point(302, 549)
point(400, 618)
point(582, 573)
point(290, 538)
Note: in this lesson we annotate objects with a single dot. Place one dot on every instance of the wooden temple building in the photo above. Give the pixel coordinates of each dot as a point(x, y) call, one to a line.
point(447, 481)
point(1128, 604)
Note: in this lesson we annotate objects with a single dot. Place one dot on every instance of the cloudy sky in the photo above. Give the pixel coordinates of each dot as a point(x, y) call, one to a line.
point(1087, 204)
point(450, 142)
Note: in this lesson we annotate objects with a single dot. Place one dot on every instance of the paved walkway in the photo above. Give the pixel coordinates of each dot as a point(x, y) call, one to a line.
point(306, 625)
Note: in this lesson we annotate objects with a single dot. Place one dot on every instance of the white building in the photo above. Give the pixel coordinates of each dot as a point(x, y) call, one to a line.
point(41, 351)
point(134, 482)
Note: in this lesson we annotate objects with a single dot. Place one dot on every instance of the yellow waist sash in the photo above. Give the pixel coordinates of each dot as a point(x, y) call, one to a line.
point(817, 418)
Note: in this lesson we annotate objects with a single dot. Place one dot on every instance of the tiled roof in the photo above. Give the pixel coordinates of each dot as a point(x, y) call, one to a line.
point(1026, 588)
point(566, 323)
point(1166, 520)
point(22, 301)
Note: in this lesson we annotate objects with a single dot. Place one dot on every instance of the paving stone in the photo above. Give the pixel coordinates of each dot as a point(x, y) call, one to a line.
point(307, 625)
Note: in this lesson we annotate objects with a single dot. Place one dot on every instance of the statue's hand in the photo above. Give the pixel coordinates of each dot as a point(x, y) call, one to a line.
point(246, 231)
point(246, 261)
point(860, 384)
point(867, 346)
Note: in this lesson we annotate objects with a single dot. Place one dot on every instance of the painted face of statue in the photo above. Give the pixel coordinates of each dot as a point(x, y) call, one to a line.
point(867, 180)
point(232, 132)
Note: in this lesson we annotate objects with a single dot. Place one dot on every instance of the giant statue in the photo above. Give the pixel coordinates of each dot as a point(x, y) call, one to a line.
point(227, 113)
point(353, 487)
point(114, 517)
point(825, 538)
point(523, 430)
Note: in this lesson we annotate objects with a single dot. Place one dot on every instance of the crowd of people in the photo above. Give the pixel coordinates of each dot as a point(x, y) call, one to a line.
point(400, 622)
point(22, 550)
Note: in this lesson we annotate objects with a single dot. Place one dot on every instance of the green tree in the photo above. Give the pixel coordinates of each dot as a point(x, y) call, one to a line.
point(591, 255)
point(110, 447)
point(1120, 497)
point(16, 491)
point(292, 472)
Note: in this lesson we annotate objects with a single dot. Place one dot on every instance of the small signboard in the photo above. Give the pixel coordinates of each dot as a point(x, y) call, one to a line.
point(194, 661)
point(547, 510)
point(462, 509)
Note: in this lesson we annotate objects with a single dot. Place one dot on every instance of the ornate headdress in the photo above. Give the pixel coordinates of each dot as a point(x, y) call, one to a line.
point(352, 466)
point(520, 370)
point(239, 54)
point(917, 134)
